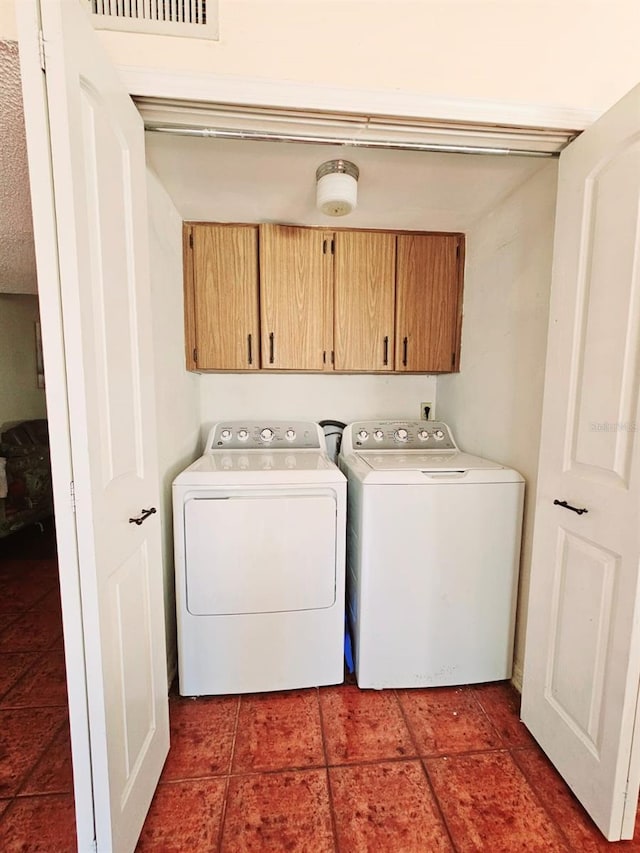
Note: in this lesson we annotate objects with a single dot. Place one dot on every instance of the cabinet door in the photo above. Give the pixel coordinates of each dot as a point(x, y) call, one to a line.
point(364, 296)
point(295, 280)
point(225, 297)
point(428, 302)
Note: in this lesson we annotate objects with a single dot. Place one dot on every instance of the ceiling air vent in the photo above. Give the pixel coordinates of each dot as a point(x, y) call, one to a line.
point(187, 18)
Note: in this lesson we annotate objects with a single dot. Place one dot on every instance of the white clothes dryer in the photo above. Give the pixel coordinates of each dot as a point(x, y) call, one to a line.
point(259, 527)
point(433, 549)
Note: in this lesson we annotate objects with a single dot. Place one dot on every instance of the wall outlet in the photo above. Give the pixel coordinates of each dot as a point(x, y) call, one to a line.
point(426, 411)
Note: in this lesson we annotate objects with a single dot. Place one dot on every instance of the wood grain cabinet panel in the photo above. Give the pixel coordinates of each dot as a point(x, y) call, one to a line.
point(224, 270)
point(295, 273)
point(428, 302)
point(364, 294)
point(281, 297)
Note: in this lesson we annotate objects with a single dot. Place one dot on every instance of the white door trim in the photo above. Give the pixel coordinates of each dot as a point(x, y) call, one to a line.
point(287, 94)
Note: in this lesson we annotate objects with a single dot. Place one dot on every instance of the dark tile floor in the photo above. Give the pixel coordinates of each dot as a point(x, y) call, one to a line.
point(340, 769)
point(334, 769)
point(36, 787)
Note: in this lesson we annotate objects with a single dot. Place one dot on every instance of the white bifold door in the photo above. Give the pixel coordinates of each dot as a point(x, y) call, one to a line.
point(88, 186)
point(582, 667)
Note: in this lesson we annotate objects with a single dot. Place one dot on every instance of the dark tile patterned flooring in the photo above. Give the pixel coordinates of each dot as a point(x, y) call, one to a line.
point(36, 784)
point(330, 769)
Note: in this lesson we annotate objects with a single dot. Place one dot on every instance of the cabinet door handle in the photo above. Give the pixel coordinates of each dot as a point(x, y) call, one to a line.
point(271, 348)
point(385, 357)
point(249, 348)
point(405, 346)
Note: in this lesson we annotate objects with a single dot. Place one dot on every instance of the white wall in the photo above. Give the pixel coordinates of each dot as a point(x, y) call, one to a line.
point(20, 398)
point(543, 52)
point(547, 52)
point(176, 391)
point(313, 397)
point(8, 28)
point(495, 402)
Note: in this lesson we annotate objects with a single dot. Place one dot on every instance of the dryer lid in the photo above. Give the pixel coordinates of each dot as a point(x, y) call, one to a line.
point(279, 460)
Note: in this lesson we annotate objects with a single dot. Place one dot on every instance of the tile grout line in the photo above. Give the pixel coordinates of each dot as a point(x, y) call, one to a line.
point(534, 791)
point(27, 778)
point(228, 775)
point(332, 811)
point(38, 657)
point(440, 810)
point(405, 719)
point(487, 716)
point(425, 772)
point(510, 749)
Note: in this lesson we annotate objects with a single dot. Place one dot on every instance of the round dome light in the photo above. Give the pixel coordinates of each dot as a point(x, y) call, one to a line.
point(337, 190)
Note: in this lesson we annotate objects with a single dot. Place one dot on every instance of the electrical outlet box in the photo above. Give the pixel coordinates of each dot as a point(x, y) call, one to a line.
point(426, 411)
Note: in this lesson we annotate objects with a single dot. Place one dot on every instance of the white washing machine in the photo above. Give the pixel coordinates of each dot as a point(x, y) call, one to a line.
point(259, 527)
point(433, 548)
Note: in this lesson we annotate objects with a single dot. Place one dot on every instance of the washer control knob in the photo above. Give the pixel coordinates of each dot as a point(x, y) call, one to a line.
point(226, 434)
point(266, 434)
point(401, 434)
point(243, 434)
point(290, 434)
point(378, 434)
point(438, 434)
point(423, 434)
point(363, 435)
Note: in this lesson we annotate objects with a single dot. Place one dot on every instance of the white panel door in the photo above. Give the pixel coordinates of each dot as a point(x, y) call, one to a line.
point(96, 166)
point(582, 666)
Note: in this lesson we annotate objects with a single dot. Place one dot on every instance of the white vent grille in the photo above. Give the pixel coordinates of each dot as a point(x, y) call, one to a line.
point(188, 18)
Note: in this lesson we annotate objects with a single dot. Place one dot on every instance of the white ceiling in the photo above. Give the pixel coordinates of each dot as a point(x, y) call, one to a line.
point(17, 258)
point(253, 181)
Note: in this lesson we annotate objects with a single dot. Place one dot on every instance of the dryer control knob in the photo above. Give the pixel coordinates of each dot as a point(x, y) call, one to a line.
point(266, 434)
point(243, 434)
point(401, 434)
point(378, 434)
point(363, 435)
point(423, 434)
point(290, 434)
point(226, 434)
point(438, 434)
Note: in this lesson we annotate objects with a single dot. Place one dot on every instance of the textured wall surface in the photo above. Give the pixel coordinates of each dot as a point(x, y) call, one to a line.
point(17, 259)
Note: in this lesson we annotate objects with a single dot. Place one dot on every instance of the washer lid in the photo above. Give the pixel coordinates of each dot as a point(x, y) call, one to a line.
point(414, 460)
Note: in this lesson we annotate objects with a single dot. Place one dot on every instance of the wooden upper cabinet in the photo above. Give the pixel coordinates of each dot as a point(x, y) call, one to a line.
point(364, 294)
point(280, 297)
point(223, 302)
point(428, 302)
point(295, 297)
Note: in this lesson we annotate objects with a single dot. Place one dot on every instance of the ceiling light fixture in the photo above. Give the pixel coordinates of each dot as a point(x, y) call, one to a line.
point(337, 190)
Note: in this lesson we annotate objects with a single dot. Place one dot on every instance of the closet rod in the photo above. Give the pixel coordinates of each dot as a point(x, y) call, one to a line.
point(308, 139)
